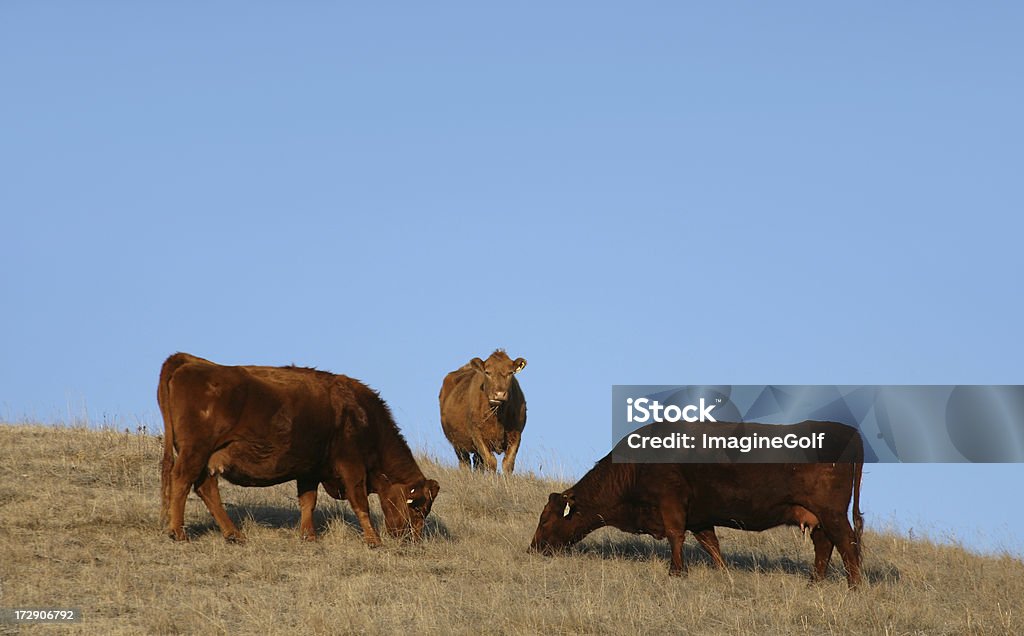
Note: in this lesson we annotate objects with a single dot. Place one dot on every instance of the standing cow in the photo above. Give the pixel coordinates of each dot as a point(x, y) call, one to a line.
point(483, 411)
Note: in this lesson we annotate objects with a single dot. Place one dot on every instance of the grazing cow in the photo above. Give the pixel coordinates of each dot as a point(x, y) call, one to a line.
point(483, 411)
point(666, 500)
point(260, 426)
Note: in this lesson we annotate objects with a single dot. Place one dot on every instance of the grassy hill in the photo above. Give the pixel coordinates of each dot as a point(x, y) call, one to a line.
point(78, 528)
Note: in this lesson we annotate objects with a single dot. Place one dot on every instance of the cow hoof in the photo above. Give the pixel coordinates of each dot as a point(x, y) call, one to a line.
point(374, 543)
point(309, 537)
point(177, 534)
point(235, 537)
point(675, 572)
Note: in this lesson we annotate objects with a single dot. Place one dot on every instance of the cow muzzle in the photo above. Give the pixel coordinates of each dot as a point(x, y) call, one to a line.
point(541, 547)
point(545, 550)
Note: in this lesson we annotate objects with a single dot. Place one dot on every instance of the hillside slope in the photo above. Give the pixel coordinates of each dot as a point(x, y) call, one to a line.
point(78, 528)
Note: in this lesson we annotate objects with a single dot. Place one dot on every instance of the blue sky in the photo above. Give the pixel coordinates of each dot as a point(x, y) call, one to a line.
point(643, 194)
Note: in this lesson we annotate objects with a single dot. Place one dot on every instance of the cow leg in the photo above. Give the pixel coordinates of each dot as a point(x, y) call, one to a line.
point(208, 490)
point(673, 517)
point(307, 504)
point(822, 553)
point(841, 533)
point(188, 468)
point(490, 462)
point(177, 494)
point(355, 486)
point(849, 549)
point(166, 466)
point(508, 462)
point(464, 457)
point(709, 541)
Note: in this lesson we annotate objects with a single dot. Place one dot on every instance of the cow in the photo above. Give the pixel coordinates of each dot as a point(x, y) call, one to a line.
point(483, 411)
point(665, 500)
point(260, 426)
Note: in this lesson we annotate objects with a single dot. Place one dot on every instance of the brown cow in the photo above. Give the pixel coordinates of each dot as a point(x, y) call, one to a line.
point(666, 500)
point(260, 426)
point(483, 411)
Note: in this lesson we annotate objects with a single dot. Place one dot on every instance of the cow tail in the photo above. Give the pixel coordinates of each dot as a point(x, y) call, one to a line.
point(167, 462)
point(163, 398)
point(858, 518)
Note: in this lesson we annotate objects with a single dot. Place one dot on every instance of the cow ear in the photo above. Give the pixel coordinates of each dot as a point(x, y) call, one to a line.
point(477, 364)
point(518, 365)
point(432, 489)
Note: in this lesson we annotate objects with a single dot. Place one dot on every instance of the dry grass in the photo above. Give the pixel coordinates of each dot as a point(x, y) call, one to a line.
point(78, 528)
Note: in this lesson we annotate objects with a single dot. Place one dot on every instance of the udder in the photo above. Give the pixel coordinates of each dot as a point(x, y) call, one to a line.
point(800, 516)
point(240, 466)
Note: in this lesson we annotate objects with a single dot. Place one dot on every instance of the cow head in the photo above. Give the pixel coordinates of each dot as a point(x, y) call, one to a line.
point(497, 373)
point(562, 524)
point(406, 507)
